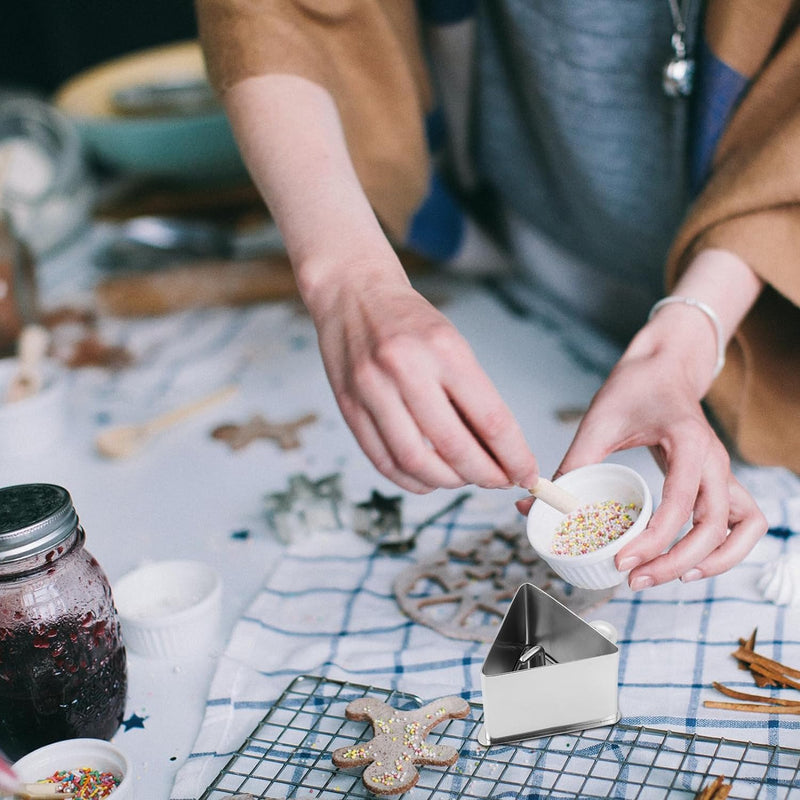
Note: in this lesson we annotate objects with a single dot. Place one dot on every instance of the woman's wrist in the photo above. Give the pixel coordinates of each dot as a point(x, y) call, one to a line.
point(723, 281)
point(327, 283)
point(692, 326)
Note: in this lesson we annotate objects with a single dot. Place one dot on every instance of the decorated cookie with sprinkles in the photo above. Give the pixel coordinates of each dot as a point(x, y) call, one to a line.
point(399, 744)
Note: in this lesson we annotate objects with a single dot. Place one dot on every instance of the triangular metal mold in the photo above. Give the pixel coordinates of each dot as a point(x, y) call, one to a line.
point(574, 689)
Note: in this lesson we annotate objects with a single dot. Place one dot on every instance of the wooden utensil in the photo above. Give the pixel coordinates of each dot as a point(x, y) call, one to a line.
point(198, 284)
point(552, 494)
point(29, 791)
point(126, 440)
point(32, 348)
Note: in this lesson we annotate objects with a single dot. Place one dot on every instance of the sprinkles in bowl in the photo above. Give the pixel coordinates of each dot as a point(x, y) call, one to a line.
point(592, 527)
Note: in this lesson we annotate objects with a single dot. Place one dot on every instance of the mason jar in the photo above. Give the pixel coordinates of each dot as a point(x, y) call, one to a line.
point(62, 661)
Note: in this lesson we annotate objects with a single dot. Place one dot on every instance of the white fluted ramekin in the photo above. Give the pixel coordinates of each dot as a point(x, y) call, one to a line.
point(594, 483)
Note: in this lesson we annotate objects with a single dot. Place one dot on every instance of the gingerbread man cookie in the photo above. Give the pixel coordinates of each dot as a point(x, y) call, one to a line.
point(284, 434)
point(399, 742)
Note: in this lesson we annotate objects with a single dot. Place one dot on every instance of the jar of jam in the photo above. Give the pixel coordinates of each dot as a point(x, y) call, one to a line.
point(62, 661)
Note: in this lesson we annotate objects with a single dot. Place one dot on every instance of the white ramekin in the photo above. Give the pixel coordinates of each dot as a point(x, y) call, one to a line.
point(76, 753)
point(169, 609)
point(595, 483)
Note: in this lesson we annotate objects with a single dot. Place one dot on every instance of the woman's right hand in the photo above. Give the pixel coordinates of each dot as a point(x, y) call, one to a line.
point(412, 391)
point(408, 384)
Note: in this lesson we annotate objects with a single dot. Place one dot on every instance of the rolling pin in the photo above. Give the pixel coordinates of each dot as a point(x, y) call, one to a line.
point(199, 284)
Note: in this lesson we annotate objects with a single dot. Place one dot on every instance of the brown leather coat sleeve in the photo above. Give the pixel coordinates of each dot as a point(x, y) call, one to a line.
point(366, 53)
point(751, 206)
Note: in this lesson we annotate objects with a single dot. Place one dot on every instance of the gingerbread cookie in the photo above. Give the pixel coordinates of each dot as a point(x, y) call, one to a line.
point(399, 742)
point(284, 434)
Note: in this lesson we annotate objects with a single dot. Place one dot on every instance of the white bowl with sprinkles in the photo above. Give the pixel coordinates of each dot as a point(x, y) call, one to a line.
point(84, 768)
point(615, 507)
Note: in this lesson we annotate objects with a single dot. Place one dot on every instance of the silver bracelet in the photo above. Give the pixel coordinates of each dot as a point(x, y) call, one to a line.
point(709, 312)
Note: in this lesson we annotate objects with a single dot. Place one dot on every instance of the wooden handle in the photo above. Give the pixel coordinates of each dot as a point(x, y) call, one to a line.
point(48, 790)
point(560, 499)
point(180, 413)
point(201, 284)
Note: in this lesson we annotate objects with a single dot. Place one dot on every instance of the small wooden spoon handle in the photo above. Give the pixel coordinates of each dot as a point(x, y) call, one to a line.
point(182, 412)
point(560, 499)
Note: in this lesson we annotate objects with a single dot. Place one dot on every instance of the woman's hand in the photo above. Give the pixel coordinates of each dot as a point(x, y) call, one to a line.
point(407, 383)
point(652, 399)
point(411, 390)
point(648, 401)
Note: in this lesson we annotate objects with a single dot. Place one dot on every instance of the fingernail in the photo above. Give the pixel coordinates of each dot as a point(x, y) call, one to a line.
point(627, 564)
point(691, 575)
point(641, 582)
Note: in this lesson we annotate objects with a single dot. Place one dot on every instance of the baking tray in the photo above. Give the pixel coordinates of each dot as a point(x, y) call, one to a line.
point(288, 756)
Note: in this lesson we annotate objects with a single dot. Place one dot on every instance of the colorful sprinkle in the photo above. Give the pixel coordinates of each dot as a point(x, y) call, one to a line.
point(592, 527)
point(84, 783)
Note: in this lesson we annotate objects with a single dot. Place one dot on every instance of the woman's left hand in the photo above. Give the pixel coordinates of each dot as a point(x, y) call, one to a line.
point(650, 399)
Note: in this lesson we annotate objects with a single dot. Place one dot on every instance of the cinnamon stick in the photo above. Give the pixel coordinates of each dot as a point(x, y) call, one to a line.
point(751, 658)
point(754, 707)
point(759, 698)
point(749, 645)
point(718, 790)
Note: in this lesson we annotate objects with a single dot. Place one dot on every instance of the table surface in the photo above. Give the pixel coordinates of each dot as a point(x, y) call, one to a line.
point(189, 495)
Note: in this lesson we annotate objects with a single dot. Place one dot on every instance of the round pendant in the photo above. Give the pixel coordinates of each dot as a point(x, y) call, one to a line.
point(678, 77)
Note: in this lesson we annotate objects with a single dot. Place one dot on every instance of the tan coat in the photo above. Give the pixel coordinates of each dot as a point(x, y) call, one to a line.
point(367, 54)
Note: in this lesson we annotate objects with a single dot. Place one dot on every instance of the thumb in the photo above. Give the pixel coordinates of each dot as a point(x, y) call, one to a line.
point(590, 446)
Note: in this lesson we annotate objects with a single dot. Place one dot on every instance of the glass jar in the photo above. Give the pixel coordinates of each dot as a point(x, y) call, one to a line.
point(62, 661)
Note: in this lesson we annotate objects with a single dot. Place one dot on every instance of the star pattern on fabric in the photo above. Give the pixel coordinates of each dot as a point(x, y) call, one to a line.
point(133, 721)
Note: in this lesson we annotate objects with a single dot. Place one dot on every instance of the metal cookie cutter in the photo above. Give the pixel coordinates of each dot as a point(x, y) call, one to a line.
point(547, 672)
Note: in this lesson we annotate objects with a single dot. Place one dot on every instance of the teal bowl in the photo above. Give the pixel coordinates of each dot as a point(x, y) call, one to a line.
point(189, 149)
point(177, 145)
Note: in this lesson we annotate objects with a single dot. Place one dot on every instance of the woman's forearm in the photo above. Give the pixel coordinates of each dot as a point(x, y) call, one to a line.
point(291, 139)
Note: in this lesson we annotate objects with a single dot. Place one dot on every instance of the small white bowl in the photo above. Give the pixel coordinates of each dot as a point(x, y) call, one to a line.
point(595, 483)
point(76, 753)
point(34, 424)
point(169, 609)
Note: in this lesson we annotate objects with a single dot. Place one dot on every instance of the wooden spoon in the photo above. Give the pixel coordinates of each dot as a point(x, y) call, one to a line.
point(28, 791)
point(31, 349)
point(560, 499)
point(126, 440)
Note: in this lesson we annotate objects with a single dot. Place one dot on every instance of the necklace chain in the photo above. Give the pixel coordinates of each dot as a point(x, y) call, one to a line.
point(678, 74)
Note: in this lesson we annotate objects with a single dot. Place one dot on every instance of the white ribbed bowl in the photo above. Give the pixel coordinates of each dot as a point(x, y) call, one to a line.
point(594, 483)
point(76, 753)
point(169, 609)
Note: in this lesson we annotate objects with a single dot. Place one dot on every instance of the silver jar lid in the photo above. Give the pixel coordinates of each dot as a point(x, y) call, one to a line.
point(34, 518)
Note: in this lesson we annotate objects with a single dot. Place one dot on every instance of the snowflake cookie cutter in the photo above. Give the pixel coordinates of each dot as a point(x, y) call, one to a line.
point(305, 507)
point(547, 672)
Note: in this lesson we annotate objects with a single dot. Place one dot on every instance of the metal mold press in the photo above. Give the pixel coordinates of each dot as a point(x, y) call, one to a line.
point(547, 672)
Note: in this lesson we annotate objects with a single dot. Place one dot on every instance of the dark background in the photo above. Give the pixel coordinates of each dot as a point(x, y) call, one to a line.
point(45, 42)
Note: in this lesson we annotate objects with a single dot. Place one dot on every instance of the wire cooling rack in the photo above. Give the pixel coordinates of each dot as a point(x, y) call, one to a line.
point(288, 755)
